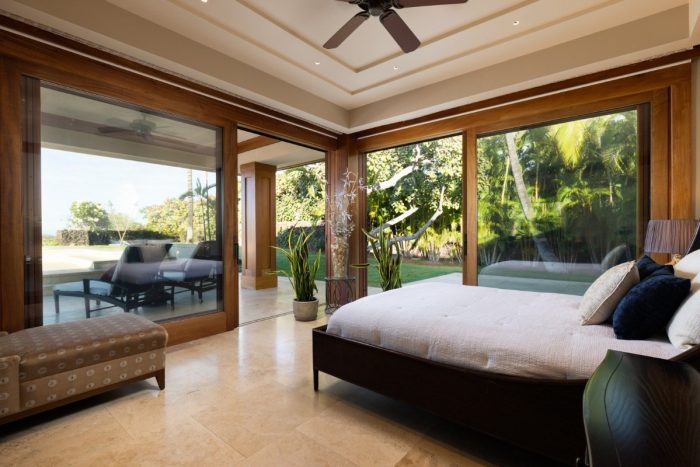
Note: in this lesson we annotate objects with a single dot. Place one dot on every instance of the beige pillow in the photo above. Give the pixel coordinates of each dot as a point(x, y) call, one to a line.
point(684, 328)
point(689, 266)
point(601, 298)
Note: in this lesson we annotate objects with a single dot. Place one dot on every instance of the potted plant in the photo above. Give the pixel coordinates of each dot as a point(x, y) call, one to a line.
point(388, 263)
point(301, 274)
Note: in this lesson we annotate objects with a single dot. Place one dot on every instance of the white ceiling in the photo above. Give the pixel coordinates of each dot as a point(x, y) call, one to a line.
point(266, 50)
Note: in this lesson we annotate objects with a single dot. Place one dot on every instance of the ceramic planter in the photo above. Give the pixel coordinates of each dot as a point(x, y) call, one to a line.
point(305, 311)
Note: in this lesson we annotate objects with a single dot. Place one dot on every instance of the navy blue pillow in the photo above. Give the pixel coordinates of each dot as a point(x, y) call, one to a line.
point(647, 266)
point(649, 306)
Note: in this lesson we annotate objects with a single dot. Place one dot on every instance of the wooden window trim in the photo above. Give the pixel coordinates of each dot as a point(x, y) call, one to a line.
point(666, 93)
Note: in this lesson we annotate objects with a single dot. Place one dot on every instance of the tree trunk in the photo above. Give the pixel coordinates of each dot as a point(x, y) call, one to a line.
point(543, 247)
point(505, 181)
point(206, 186)
point(190, 209)
point(517, 170)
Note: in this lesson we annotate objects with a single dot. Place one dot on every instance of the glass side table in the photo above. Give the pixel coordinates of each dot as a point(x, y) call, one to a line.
point(339, 291)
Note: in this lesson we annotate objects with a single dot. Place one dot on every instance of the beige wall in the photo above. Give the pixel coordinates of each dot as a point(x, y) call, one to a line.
point(694, 21)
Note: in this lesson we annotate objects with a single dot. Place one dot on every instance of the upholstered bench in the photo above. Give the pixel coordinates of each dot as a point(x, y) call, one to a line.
point(49, 366)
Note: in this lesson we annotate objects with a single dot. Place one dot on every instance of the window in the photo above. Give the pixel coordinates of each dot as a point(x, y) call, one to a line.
point(415, 191)
point(559, 204)
point(129, 212)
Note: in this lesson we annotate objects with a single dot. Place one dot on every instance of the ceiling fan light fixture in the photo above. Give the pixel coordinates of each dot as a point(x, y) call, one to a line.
point(392, 22)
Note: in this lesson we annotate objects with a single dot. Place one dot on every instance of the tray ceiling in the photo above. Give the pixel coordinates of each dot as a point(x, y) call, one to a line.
point(283, 41)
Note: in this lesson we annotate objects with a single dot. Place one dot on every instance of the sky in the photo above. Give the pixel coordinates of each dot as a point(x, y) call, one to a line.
point(128, 185)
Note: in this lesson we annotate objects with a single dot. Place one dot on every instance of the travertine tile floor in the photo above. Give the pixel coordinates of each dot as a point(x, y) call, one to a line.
point(245, 398)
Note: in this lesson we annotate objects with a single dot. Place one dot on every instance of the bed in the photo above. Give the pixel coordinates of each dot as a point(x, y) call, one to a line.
point(524, 387)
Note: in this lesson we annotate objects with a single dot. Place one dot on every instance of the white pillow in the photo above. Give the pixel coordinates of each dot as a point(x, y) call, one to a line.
point(684, 328)
point(689, 266)
point(601, 298)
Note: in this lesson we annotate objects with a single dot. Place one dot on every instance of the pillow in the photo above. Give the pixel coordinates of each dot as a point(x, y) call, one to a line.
point(648, 266)
point(695, 284)
point(599, 301)
point(649, 306)
point(108, 275)
point(617, 255)
point(689, 266)
point(684, 328)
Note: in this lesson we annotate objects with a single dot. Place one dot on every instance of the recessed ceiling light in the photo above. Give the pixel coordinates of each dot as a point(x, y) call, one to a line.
point(317, 63)
point(516, 22)
point(396, 67)
point(205, 1)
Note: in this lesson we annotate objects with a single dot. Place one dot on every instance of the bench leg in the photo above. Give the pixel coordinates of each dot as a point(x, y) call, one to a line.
point(55, 301)
point(160, 378)
point(87, 308)
point(315, 380)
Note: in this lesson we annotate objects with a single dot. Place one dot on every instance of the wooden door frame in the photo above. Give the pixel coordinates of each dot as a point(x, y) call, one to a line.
point(118, 79)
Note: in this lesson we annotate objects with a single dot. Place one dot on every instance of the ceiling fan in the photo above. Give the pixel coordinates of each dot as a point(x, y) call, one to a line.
point(141, 127)
point(391, 20)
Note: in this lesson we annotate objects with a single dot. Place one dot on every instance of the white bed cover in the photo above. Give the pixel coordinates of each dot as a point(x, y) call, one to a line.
point(511, 332)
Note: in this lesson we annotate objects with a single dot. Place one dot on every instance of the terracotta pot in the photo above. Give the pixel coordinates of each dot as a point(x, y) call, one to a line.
point(305, 311)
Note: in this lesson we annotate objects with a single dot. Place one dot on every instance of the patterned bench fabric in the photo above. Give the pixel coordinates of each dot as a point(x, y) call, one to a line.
point(9, 385)
point(52, 388)
point(58, 348)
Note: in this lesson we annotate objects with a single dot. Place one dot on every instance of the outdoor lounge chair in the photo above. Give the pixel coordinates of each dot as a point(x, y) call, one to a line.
point(134, 281)
point(199, 273)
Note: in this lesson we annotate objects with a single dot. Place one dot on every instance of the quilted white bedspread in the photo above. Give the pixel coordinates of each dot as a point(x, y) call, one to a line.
point(502, 331)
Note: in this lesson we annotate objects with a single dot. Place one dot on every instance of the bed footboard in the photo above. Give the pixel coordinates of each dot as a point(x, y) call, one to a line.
point(544, 416)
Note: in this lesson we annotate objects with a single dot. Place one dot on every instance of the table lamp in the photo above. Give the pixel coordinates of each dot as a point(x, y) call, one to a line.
point(672, 236)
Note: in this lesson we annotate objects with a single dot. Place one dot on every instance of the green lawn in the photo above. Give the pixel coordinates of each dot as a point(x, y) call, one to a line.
point(410, 270)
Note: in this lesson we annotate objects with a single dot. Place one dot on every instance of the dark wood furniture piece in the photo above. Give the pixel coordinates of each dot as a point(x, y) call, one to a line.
point(640, 410)
point(540, 415)
point(339, 291)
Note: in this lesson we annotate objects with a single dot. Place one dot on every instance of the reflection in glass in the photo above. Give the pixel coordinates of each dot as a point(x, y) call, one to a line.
point(130, 214)
point(557, 204)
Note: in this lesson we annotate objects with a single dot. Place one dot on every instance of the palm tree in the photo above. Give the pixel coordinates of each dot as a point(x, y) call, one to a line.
point(543, 248)
point(190, 209)
point(201, 192)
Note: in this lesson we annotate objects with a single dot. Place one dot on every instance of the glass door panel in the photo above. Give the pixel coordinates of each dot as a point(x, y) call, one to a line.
point(130, 210)
point(559, 204)
point(415, 192)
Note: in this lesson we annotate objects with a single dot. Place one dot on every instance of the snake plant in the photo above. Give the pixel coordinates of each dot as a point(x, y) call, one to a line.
point(388, 263)
point(302, 270)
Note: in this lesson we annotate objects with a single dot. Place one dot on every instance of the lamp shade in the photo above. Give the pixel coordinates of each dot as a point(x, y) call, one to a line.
point(669, 235)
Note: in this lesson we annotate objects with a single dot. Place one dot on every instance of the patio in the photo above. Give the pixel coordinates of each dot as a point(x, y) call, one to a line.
point(254, 305)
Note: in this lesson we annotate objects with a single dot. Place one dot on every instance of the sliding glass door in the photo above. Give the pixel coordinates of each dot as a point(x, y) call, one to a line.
point(123, 210)
point(559, 204)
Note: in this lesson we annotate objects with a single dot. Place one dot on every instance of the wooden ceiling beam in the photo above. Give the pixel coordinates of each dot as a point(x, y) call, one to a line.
point(256, 143)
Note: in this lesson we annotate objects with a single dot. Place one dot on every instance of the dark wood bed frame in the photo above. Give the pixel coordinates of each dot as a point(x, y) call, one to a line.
point(539, 415)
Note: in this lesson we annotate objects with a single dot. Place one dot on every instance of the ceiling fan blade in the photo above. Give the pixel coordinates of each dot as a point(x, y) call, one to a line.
point(347, 29)
point(400, 31)
point(414, 3)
